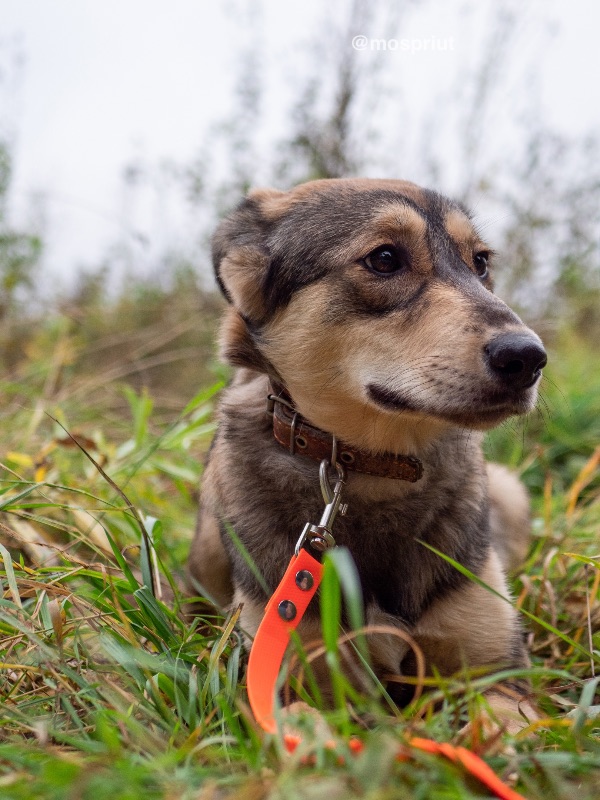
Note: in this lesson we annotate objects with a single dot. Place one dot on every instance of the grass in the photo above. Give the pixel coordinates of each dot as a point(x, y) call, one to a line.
point(109, 692)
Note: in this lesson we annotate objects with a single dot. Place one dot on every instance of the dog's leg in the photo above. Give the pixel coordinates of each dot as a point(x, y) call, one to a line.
point(509, 516)
point(208, 566)
point(473, 627)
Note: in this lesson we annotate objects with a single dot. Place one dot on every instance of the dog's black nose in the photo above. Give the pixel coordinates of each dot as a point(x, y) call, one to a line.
point(516, 358)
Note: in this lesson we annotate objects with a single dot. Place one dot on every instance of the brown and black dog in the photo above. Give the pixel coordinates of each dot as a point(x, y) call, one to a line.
point(368, 305)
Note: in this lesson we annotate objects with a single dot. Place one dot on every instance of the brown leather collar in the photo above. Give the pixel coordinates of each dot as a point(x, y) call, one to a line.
point(301, 438)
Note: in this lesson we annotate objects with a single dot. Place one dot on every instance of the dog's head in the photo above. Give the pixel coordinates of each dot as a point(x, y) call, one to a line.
point(371, 301)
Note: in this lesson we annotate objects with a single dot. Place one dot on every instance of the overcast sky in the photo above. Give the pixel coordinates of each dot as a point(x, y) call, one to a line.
point(104, 81)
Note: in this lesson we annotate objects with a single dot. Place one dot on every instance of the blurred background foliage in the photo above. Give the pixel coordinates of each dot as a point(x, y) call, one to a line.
point(541, 194)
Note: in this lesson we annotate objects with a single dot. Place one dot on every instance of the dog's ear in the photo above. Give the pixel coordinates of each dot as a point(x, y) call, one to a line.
point(241, 260)
point(241, 254)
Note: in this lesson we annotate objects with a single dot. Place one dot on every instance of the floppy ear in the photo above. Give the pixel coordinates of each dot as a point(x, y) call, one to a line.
point(241, 260)
point(241, 255)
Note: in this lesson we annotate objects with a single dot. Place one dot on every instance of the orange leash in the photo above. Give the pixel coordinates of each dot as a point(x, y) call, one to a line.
point(283, 614)
point(471, 763)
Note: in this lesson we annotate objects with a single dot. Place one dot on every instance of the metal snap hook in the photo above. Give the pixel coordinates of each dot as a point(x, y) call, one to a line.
point(325, 481)
point(319, 536)
point(334, 460)
point(293, 433)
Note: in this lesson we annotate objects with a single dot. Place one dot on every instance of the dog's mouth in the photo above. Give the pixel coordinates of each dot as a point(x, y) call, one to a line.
point(487, 408)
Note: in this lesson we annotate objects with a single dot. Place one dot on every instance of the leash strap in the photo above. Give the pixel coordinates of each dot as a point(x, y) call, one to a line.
point(283, 614)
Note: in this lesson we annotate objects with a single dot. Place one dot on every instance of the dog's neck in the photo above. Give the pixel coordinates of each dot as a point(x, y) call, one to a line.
point(300, 437)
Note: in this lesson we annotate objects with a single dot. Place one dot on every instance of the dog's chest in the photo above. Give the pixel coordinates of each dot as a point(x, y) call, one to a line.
point(268, 496)
point(387, 540)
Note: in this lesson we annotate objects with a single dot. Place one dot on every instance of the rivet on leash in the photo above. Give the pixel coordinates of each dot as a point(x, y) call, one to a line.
point(286, 610)
point(304, 580)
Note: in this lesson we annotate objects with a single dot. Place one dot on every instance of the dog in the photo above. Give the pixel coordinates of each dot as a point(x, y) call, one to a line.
point(364, 309)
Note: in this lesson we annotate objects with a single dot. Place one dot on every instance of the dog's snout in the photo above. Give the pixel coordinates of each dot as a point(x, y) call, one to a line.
point(516, 358)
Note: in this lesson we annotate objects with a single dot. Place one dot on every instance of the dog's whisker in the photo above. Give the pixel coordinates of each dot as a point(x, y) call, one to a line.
point(543, 409)
point(547, 379)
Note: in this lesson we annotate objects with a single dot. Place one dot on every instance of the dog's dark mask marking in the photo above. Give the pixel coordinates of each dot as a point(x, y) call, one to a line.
point(300, 246)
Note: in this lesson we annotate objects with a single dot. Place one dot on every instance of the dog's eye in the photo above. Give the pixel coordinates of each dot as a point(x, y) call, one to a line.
point(384, 260)
point(481, 261)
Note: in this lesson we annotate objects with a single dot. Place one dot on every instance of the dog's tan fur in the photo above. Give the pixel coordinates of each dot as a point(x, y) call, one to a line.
point(307, 310)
